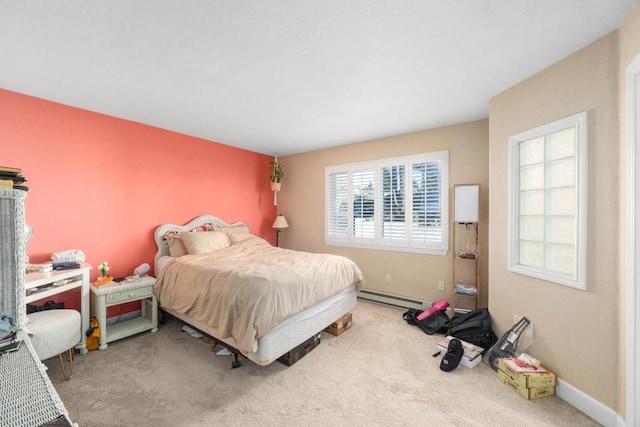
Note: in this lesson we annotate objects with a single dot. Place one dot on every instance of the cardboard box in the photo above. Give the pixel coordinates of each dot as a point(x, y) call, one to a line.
point(472, 353)
point(527, 393)
point(340, 325)
point(292, 356)
point(526, 376)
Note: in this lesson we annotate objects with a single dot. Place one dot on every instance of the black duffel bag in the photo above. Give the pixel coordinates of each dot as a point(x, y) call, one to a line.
point(49, 305)
point(435, 323)
point(473, 327)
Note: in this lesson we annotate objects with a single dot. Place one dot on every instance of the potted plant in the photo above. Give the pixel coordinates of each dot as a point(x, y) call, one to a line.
point(276, 174)
point(103, 279)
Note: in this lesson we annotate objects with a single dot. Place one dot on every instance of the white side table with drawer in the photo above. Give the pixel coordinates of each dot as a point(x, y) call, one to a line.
point(119, 293)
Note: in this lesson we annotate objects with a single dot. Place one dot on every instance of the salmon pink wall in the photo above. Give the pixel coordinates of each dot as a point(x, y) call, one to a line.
point(103, 184)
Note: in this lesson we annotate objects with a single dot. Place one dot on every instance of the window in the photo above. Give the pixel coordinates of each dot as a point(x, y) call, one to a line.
point(396, 204)
point(548, 202)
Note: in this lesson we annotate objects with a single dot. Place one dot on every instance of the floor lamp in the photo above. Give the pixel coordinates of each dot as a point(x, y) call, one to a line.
point(278, 225)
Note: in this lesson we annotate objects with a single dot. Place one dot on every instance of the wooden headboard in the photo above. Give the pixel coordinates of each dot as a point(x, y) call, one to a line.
point(200, 223)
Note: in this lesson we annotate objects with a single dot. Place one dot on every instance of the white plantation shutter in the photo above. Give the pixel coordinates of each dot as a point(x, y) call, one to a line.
point(426, 222)
point(392, 194)
point(397, 204)
point(364, 201)
point(337, 203)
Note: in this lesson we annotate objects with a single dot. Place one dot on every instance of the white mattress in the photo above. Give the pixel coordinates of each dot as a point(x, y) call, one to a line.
point(293, 331)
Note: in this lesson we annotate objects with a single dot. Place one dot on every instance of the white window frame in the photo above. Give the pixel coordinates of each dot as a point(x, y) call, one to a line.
point(579, 277)
point(376, 242)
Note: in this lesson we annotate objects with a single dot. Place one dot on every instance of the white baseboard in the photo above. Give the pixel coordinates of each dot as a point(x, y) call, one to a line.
point(587, 404)
point(394, 300)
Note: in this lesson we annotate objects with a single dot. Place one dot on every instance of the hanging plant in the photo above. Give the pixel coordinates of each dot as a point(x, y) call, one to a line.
point(277, 173)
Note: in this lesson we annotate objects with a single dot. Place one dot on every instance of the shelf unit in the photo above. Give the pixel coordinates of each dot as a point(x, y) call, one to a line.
point(466, 250)
point(27, 394)
point(12, 255)
point(466, 265)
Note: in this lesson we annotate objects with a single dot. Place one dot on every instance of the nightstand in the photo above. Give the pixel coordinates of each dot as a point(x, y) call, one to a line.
point(119, 293)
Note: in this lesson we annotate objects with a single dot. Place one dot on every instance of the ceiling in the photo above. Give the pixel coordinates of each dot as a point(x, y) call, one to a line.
point(290, 76)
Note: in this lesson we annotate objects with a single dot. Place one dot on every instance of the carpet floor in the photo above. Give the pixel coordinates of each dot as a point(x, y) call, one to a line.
point(378, 373)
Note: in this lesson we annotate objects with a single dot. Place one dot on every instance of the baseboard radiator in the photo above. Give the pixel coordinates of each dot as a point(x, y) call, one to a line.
point(394, 300)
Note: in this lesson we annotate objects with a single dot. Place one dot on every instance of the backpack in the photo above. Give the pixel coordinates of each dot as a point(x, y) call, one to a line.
point(473, 327)
point(93, 335)
point(433, 324)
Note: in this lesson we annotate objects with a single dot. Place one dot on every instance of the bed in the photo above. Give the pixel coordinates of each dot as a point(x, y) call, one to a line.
point(257, 300)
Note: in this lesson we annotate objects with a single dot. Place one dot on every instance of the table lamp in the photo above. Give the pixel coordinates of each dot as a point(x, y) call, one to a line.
point(278, 225)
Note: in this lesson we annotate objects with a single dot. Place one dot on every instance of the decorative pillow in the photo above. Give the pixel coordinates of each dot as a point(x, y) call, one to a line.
point(239, 237)
point(234, 229)
point(204, 241)
point(175, 245)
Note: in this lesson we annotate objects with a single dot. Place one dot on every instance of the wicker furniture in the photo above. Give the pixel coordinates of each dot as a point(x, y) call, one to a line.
point(120, 293)
point(56, 282)
point(27, 397)
point(12, 255)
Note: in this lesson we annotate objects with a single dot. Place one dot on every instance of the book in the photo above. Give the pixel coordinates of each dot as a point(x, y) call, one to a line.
point(10, 169)
point(12, 339)
point(12, 180)
point(40, 268)
point(18, 179)
point(471, 351)
point(14, 346)
point(10, 175)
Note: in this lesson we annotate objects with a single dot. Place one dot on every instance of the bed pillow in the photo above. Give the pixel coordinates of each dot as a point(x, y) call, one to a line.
point(201, 242)
point(175, 245)
point(234, 229)
point(239, 237)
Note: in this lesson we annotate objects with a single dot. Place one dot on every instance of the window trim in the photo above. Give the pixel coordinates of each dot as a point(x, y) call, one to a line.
point(351, 241)
point(580, 123)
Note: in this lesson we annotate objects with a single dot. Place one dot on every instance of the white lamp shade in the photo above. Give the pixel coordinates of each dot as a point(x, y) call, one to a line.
point(466, 198)
point(280, 222)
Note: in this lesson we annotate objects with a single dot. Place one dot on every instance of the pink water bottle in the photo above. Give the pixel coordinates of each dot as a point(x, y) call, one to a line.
point(439, 306)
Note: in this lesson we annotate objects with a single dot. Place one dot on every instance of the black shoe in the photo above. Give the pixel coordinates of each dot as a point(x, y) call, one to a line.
point(452, 357)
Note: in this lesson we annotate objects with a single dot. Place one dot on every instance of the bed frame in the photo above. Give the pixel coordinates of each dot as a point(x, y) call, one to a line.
point(284, 337)
point(201, 223)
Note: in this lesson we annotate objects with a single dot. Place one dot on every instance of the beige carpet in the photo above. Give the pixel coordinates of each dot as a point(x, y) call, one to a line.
point(379, 373)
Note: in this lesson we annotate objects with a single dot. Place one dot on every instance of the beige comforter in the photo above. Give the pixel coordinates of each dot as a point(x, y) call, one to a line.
point(247, 289)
